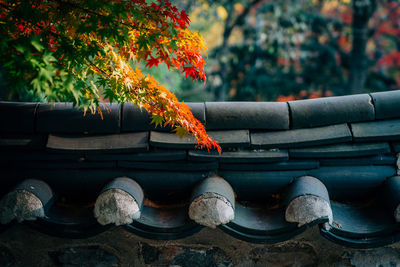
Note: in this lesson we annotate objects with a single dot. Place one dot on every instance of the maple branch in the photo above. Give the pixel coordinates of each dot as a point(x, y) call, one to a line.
point(91, 63)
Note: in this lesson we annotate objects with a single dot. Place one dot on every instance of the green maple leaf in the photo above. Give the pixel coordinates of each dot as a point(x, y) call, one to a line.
point(157, 120)
point(181, 131)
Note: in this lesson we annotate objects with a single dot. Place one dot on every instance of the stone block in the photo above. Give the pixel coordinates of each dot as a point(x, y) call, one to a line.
point(116, 206)
point(292, 253)
point(184, 256)
point(212, 202)
point(85, 256)
point(6, 258)
point(307, 201)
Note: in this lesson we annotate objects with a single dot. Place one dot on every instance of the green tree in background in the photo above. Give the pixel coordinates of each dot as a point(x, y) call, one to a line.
point(285, 50)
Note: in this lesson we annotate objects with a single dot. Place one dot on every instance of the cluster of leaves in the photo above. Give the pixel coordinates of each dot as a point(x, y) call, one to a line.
point(86, 51)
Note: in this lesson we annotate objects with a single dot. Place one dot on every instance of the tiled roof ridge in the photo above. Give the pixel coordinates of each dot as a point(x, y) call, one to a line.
point(285, 166)
point(63, 118)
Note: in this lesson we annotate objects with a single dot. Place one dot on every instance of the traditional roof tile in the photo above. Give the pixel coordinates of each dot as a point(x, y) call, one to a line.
point(331, 110)
point(336, 156)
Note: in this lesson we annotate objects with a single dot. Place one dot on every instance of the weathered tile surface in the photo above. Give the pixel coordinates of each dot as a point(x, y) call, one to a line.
point(376, 130)
point(247, 115)
point(373, 160)
point(18, 141)
point(301, 137)
point(386, 104)
point(126, 142)
point(243, 156)
point(135, 119)
point(226, 139)
point(289, 165)
point(341, 150)
point(64, 118)
point(336, 140)
point(169, 166)
point(331, 110)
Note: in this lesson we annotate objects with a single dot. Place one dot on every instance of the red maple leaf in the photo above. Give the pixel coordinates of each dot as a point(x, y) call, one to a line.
point(152, 62)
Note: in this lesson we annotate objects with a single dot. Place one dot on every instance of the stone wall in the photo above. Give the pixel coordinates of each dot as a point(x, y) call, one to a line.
point(22, 246)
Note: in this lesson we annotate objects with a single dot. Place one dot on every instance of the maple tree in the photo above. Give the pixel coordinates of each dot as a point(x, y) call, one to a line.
point(88, 52)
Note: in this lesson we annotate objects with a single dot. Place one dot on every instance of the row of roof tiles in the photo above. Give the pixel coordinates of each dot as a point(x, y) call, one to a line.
point(303, 203)
point(387, 130)
point(63, 118)
point(351, 148)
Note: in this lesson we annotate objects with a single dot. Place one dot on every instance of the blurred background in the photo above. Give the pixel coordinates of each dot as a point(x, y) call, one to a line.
point(264, 50)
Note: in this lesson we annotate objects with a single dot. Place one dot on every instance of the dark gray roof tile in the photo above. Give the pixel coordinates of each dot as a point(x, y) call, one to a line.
point(226, 139)
point(18, 141)
point(331, 110)
point(64, 118)
point(166, 185)
point(17, 117)
point(136, 120)
point(115, 143)
point(169, 166)
point(243, 156)
point(386, 104)
point(247, 115)
point(362, 226)
point(29, 155)
point(340, 150)
point(150, 156)
point(396, 147)
point(82, 184)
point(171, 140)
point(301, 137)
point(259, 185)
point(63, 164)
point(198, 110)
point(288, 165)
point(376, 130)
point(231, 138)
point(374, 160)
point(352, 182)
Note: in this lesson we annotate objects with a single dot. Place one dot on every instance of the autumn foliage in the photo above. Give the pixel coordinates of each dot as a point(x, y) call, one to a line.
point(88, 52)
